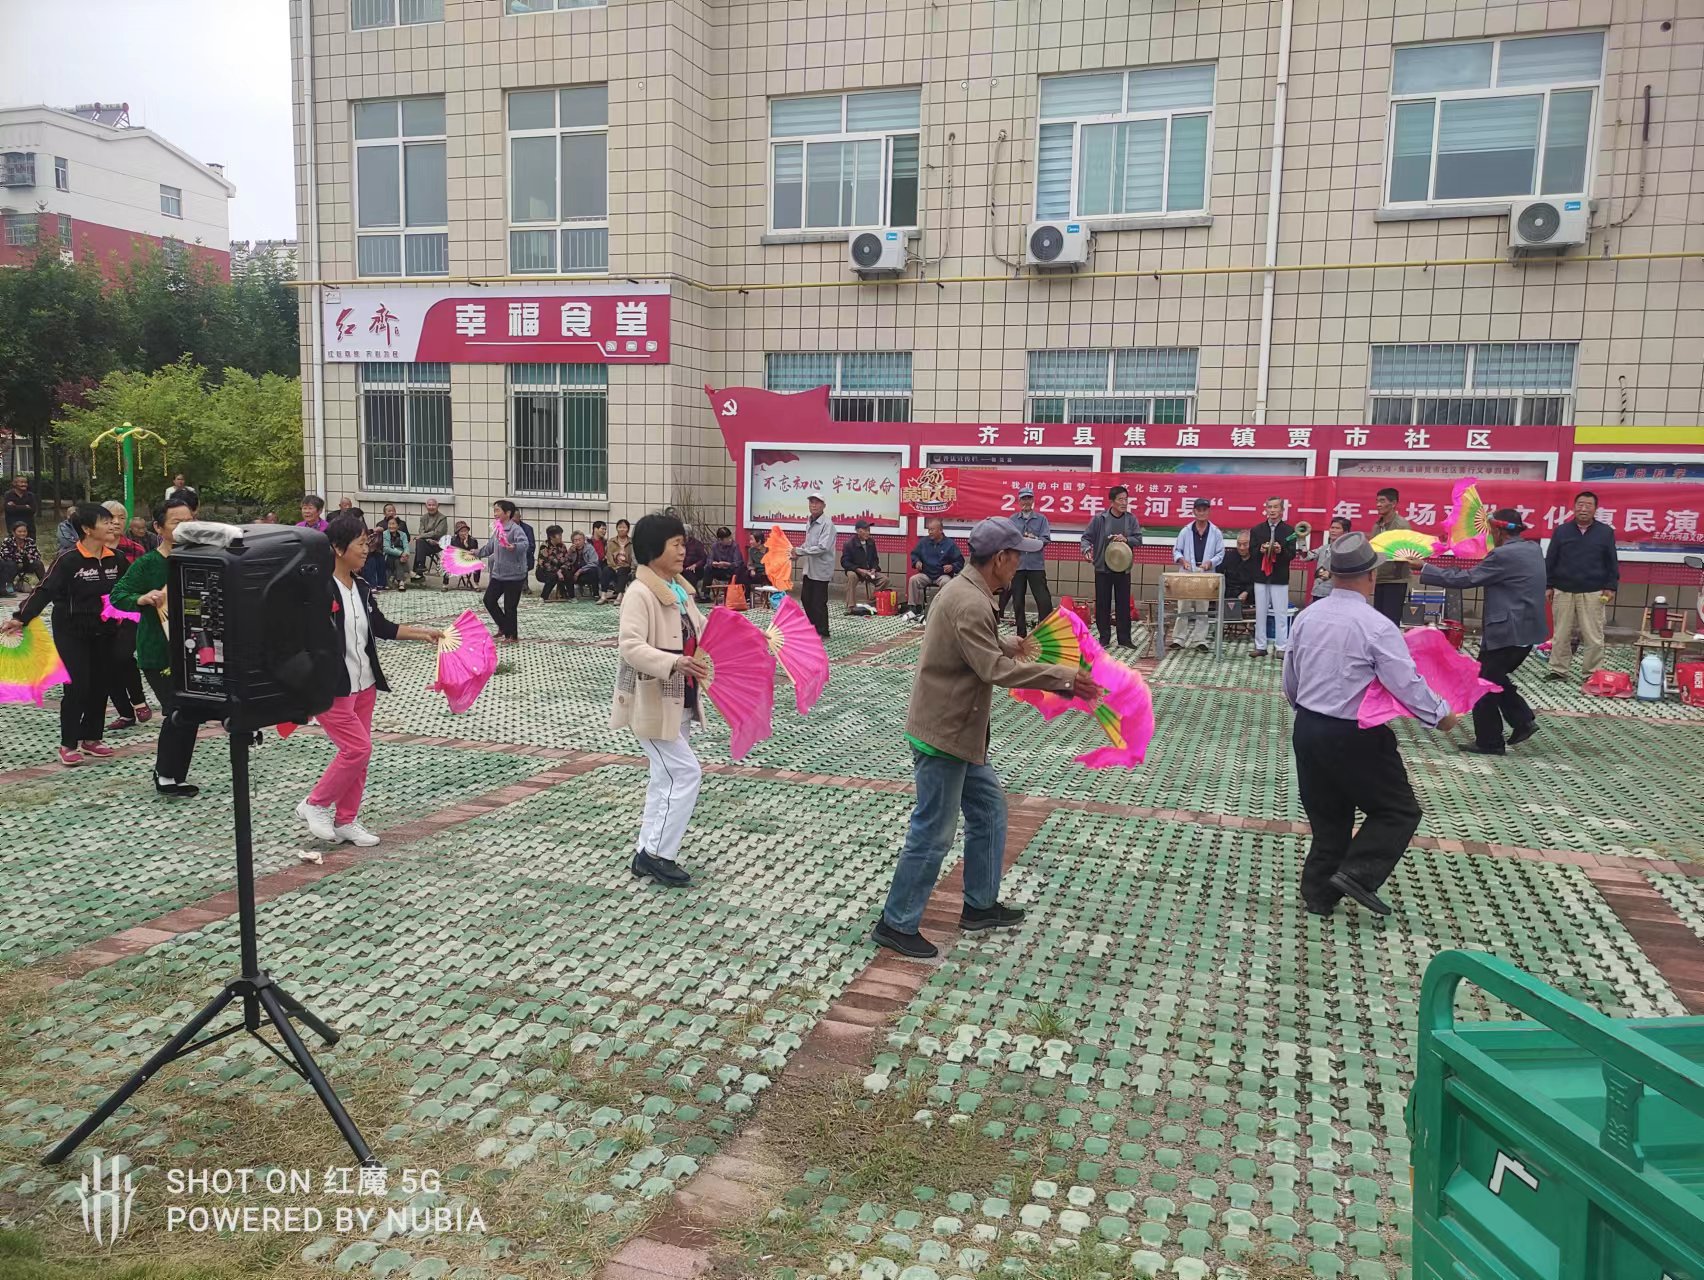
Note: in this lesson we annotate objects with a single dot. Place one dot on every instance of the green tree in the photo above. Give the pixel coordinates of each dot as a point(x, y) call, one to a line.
point(254, 428)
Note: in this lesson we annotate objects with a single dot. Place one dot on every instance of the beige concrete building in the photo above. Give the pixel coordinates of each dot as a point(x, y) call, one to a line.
point(722, 152)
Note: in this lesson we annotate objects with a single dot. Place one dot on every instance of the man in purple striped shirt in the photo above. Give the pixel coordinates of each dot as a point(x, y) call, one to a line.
point(1338, 647)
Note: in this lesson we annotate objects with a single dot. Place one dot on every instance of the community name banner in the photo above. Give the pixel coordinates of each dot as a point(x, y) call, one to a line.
point(1637, 511)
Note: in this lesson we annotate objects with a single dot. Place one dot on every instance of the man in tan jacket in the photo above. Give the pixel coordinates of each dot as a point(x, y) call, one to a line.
point(963, 659)
point(1390, 588)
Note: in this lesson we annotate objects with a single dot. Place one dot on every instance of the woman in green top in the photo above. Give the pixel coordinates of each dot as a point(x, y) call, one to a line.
point(142, 590)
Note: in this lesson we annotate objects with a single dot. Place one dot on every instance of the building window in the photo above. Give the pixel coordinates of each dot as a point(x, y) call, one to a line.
point(171, 201)
point(405, 427)
point(1485, 119)
point(559, 430)
point(850, 160)
point(21, 229)
point(17, 168)
point(545, 6)
point(1139, 385)
point(1124, 143)
point(559, 177)
point(400, 183)
point(367, 14)
point(64, 232)
point(864, 386)
point(61, 174)
point(1486, 384)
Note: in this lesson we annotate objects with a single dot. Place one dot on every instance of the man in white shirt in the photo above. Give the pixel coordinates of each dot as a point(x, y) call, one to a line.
point(1199, 548)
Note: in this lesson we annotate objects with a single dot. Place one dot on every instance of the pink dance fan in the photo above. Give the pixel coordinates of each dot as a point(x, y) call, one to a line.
point(1453, 676)
point(742, 677)
point(797, 646)
point(466, 658)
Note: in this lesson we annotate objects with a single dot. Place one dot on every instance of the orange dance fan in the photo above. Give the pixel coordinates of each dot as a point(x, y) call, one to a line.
point(778, 560)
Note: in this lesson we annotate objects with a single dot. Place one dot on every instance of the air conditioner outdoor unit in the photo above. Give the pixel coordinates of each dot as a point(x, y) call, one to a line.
point(1055, 245)
point(873, 254)
point(1555, 222)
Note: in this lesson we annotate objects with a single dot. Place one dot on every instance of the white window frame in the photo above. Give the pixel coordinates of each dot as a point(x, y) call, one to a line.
point(61, 174)
point(806, 141)
point(1441, 96)
point(835, 391)
point(1122, 117)
point(171, 201)
point(1110, 393)
point(403, 230)
point(1467, 391)
point(561, 224)
point(22, 230)
point(408, 383)
point(521, 8)
point(396, 19)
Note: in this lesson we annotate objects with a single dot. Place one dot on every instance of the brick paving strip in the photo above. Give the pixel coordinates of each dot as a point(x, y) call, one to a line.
point(1667, 941)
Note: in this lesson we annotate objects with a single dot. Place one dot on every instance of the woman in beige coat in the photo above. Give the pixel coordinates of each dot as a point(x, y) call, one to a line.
point(657, 692)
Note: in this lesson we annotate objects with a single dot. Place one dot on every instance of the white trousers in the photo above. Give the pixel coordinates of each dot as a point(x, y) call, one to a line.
point(1191, 627)
point(670, 795)
point(1272, 600)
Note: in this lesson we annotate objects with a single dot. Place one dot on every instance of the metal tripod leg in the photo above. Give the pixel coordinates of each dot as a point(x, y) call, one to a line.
point(173, 1048)
point(303, 1014)
point(271, 999)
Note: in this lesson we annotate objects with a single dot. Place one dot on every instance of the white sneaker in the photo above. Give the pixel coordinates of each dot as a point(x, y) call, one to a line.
point(354, 833)
point(320, 821)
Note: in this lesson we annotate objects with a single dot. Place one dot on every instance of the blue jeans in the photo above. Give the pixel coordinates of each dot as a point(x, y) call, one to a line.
point(944, 786)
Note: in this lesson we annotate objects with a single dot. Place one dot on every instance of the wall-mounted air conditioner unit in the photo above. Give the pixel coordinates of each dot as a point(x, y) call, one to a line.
point(875, 254)
point(1053, 246)
point(1555, 222)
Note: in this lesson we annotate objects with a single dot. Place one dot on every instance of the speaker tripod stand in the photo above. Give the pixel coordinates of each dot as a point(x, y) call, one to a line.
point(263, 1000)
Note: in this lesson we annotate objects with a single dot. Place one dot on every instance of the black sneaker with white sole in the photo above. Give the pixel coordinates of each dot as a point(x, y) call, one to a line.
point(914, 946)
point(975, 919)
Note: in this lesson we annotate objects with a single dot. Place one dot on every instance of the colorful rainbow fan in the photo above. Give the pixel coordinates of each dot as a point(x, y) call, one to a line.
point(110, 614)
point(778, 560)
point(1403, 544)
point(742, 677)
point(1466, 523)
point(1054, 641)
point(797, 646)
point(29, 664)
point(459, 561)
point(1452, 675)
point(1124, 711)
point(467, 657)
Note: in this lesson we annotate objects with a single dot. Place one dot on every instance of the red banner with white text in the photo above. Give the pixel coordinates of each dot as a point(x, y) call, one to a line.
point(1070, 499)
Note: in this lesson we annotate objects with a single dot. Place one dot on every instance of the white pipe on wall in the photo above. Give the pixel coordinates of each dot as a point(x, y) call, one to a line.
point(316, 312)
point(1274, 193)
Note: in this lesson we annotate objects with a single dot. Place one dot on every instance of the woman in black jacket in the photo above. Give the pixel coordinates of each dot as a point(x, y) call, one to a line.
point(334, 804)
point(79, 580)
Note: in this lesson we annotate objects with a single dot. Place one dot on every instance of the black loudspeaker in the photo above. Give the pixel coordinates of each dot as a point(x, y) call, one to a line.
point(250, 618)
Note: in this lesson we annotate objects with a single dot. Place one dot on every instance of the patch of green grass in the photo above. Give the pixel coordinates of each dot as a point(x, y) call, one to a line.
point(1045, 1022)
point(27, 797)
point(24, 1257)
point(784, 1240)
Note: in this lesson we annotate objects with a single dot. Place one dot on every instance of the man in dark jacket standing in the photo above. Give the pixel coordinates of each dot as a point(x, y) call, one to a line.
point(1582, 571)
point(1032, 565)
point(1116, 528)
point(1274, 546)
point(1513, 578)
point(1391, 591)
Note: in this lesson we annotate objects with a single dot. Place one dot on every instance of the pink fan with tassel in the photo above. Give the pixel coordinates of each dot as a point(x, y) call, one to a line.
point(797, 646)
point(110, 614)
point(458, 561)
point(1452, 675)
point(502, 535)
point(742, 677)
point(466, 658)
point(1124, 711)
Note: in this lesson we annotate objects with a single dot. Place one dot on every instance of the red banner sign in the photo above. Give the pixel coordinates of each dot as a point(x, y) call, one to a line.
point(523, 324)
point(1637, 511)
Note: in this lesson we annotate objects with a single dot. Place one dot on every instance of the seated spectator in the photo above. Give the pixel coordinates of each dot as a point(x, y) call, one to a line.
point(313, 512)
point(696, 565)
point(756, 574)
point(934, 559)
point(600, 539)
point(726, 564)
point(464, 539)
point(862, 562)
point(18, 556)
point(553, 567)
point(21, 504)
point(396, 550)
point(429, 542)
point(65, 536)
point(618, 564)
point(1321, 556)
point(1238, 566)
point(583, 563)
point(141, 534)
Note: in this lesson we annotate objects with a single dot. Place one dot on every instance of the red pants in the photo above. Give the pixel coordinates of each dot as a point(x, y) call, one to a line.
point(348, 722)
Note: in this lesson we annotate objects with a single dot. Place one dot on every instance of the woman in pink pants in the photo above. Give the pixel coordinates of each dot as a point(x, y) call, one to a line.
point(332, 807)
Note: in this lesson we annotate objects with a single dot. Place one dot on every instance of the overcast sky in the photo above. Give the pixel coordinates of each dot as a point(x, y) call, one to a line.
point(212, 76)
